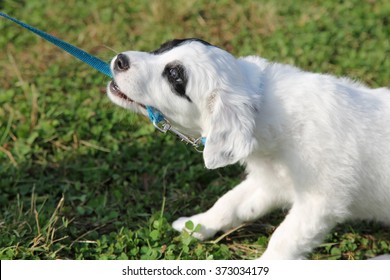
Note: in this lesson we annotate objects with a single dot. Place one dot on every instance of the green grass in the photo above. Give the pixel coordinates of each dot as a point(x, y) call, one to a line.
point(83, 179)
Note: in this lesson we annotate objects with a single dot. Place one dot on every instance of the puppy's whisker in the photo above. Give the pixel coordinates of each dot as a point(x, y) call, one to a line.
point(111, 49)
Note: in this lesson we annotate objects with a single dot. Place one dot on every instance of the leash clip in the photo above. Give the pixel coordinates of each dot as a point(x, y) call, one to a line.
point(164, 126)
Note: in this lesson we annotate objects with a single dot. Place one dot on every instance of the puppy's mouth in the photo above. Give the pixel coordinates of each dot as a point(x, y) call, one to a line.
point(114, 90)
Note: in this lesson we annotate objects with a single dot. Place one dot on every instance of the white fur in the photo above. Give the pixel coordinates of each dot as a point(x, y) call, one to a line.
point(316, 144)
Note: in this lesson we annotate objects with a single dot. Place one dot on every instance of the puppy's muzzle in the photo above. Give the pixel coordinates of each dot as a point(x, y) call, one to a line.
point(121, 63)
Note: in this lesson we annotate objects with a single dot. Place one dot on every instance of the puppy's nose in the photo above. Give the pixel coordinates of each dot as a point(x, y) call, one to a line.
point(122, 63)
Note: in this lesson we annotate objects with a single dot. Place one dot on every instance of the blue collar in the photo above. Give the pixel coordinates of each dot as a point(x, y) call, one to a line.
point(155, 116)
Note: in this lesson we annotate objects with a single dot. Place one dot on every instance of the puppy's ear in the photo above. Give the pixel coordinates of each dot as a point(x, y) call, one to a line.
point(231, 132)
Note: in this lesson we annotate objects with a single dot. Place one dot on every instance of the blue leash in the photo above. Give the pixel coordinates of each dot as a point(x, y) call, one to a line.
point(91, 60)
point(155, 116)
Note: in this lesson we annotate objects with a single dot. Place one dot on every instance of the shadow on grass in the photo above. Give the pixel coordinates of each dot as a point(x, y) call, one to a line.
point(90, 193)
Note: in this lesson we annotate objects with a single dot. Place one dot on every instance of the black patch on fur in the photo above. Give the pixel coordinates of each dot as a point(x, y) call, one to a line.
point(177, 78)
point(167, 46)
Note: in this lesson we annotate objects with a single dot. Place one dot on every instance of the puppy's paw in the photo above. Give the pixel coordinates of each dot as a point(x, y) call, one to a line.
point(200, 231)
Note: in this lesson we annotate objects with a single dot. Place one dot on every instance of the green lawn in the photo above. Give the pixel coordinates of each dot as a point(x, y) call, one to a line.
point(83, 179)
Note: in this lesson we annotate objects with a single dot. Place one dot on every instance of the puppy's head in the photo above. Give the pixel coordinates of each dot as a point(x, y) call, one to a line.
point(201, 89)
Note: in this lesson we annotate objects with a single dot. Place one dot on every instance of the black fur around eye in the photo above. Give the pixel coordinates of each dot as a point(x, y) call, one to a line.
point(176, 75)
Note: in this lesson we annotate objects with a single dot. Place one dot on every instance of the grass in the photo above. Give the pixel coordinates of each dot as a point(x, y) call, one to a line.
point(83, 179)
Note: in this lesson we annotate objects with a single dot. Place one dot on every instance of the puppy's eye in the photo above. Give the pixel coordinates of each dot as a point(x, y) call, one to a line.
point(174, 74)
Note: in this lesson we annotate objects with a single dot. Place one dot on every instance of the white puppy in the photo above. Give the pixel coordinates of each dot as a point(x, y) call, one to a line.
point(316, 144)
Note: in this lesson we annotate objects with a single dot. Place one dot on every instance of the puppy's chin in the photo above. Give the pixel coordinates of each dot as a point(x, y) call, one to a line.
point(122, 100)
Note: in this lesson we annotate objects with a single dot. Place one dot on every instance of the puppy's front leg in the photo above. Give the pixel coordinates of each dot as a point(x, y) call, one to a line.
point(302, 230)
point(247, 201)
